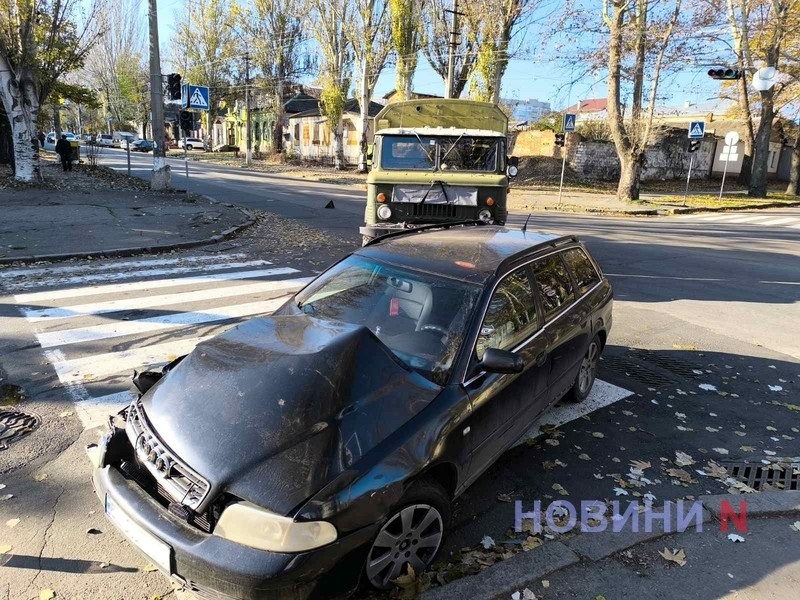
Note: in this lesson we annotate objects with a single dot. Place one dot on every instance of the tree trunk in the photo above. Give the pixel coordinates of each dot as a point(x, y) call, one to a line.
point(758, 181)
point(628, 188)
point(338, 147)
point(277, 130)
point(794, 175)
point(21, 104)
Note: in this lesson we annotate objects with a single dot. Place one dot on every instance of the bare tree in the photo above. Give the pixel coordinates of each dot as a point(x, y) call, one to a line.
point(40, 40)
point(437, 25)
point(327, 19)
point(369, 33)
point(275, 31)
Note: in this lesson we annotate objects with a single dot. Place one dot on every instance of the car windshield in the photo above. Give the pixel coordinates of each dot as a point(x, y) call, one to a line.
point(420, 317)
point(444, 153)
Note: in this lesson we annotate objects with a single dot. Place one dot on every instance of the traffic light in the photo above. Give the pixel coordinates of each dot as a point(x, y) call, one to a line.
point(726, 74)
point(694, 145)
point(560, 139)
point(186, 120)
point(174, 86)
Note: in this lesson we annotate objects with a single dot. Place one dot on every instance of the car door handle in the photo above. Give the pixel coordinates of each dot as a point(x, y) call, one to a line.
point(541, 358)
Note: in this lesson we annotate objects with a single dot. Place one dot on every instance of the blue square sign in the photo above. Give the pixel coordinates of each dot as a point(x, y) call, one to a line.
point(697, 130)
point(569, 121)
point(194, 97)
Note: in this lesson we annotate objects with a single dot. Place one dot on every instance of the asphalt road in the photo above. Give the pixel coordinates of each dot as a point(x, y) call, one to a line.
point(704, 342)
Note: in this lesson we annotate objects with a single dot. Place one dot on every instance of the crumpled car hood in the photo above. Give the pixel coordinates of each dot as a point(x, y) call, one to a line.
point(276, 407)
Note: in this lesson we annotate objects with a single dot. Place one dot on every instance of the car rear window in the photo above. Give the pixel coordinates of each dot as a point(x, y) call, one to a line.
point(555, 285)
point(586, 276)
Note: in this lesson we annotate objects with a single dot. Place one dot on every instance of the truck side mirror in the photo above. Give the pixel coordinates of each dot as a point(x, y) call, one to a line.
point(370, 152)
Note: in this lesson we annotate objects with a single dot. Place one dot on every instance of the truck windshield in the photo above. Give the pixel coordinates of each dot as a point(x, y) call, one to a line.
point(451, 153)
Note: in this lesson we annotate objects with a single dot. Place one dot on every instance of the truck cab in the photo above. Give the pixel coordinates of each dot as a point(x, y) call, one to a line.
point(437, 161)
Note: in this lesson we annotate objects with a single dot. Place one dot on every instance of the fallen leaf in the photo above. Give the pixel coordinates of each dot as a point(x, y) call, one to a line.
point(722, 451)
point(551, 442)
point(560, 489)
point(40, 476)
point(712, 469)
point(531, 542)
point(12, 522)
point(775, 388)
point(707, 387)
point(503, 498)
point(584, 456)
point(676, 556)
point(735, 538)
point(5, 549)
point(545, 583)
point(66, 413)
point(597, 434)
point(407, 579)
point(712, 429)
point(149, 568)
point(487, 542)
point(6, 497)
point(682, 459)
point(47, 595)
point(680, 474)
point(795, 525)
point(640, 464)
point(620, 492)
point(103, 565)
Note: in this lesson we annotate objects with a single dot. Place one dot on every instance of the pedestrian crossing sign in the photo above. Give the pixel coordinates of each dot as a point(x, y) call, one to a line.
point(697, 130)
point(194, 97)
point(569, 122)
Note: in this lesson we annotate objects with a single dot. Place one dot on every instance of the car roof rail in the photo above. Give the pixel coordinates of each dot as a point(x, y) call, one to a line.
point(411, 230)
point(554, 243)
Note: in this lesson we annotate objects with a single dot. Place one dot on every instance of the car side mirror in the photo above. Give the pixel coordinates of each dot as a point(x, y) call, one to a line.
point(501, 361)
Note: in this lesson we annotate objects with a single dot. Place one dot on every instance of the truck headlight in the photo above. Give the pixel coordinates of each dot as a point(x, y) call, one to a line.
point(485, 215)
point(247, 524)
point(384, 212)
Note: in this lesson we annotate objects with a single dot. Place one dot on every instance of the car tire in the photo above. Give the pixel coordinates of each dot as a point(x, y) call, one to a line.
point(188, 146)
point(412, 534)
point(587, 373)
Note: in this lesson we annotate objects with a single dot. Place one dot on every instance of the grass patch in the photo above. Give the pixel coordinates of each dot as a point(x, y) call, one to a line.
point(732, 202)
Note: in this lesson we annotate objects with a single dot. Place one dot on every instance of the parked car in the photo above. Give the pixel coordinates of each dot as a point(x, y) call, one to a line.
point(142, 146)
point(192, 143)
point(297, 454)
point(104, 139)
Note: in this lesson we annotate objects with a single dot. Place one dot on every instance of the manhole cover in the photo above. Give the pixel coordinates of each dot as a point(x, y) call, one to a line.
point(782, 477)
point(665, 361)
point(626, 368)
point(15, 424)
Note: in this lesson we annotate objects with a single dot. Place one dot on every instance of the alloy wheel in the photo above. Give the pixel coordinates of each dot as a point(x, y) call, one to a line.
point(411, 536)
point(588, 368)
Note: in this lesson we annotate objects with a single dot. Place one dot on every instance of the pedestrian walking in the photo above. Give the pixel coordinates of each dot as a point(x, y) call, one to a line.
point(64, 150)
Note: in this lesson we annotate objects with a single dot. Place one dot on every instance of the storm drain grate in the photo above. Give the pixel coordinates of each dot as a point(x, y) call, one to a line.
point(669, 363)
point(15, 424)
point(784, 477)
point(625, 368)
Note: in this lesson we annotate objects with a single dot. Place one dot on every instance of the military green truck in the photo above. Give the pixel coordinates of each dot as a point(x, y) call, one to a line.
point(437, 161)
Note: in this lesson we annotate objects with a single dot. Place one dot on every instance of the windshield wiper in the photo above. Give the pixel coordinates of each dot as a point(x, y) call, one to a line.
point(424, 149)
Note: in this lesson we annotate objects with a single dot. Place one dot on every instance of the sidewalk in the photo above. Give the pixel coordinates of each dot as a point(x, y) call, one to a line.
point(79, 215)
point(608, 565)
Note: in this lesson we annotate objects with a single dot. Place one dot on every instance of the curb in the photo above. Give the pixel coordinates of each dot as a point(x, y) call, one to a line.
point(131, 251)
point(653, 212)
point(524, 569)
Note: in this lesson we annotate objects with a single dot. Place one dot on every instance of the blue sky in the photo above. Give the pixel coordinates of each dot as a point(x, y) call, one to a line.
point(533, 77)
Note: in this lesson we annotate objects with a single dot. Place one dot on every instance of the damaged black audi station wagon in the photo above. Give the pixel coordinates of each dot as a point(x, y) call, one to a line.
point(320, 448)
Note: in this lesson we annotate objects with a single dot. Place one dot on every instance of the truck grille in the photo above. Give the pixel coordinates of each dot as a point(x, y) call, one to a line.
point(404, 211)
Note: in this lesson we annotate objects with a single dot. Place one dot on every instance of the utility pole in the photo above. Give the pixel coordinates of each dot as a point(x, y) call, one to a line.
point(161, 174)
point(249, 153)
point(451, 55)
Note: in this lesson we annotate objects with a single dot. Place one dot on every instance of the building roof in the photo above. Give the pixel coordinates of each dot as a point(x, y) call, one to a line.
point(414, 95)
point(588, 106)
point(300, 102)
point(351, 107)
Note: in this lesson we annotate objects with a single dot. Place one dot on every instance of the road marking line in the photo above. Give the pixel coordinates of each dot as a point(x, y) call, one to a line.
point(98, 366)
point(780, 221)
point(602, 394)
point(94, 412)
point(65, 337)
point(135, 286)
point(83, 279)
point(100, 266)
point(97, 308)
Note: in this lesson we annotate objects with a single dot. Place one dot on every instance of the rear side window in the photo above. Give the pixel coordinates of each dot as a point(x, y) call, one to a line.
point(586, 276)
point(554, 283)
point(511, 316)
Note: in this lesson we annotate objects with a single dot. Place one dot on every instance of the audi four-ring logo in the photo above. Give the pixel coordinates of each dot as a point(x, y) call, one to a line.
point(149, 451)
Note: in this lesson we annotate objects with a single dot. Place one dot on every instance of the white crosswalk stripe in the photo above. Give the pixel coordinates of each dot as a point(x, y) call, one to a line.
point(97, 322)
point(763, 219)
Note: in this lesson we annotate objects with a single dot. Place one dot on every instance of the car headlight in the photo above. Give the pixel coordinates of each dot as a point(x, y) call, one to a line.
point(485, 215)
point(384, 212)
point(247, 524)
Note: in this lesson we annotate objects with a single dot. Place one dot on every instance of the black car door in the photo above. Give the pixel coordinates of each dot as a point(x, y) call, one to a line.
point(557, 296)
point(498, 400)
